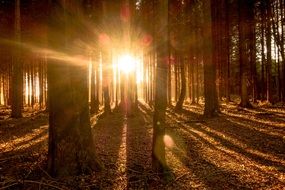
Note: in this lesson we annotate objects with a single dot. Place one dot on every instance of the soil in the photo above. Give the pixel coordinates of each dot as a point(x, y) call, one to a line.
point(239, 149)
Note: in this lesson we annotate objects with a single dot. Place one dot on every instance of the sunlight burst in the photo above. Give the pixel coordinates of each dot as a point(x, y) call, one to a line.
point(127, 63)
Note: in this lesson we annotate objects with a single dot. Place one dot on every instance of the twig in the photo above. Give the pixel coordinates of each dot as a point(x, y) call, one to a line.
point(5, 187)
point(181, 176)
point(41, 183)
point(176, 179)
point(46, 173)
point(135, 171)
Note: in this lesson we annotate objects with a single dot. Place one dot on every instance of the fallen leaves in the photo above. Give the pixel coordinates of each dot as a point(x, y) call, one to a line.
point(240, 149)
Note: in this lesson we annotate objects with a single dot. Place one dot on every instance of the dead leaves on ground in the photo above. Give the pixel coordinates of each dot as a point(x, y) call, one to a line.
point(239, 149)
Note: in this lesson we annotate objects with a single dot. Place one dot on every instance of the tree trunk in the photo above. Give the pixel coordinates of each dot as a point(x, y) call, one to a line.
point(158, 147)
point(169, 97)
point(105, 65)
point(71, 148)
point(94, 107)
point(176, 71)
point(262, 89)
point(32, 83)
point(227, 48)
point(17, 70)
point(210, 91)
point(181, 99)
point(41, 83)
point(268, 56)
point(244, 52)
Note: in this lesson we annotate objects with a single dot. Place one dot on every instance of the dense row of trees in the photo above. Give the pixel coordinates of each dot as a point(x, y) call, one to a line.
point(197, 51)
point(23, 67)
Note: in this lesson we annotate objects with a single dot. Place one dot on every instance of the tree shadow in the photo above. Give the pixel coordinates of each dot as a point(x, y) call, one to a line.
point(25, 156)
point(211, 175)
point(22, 126)
point(241, 129)
point(26, 143)
point(264, 138)
point(218, 129)
point(31, 146)
point(258, 116)
point(21, 136)
point(138, 142)
point(107, 136)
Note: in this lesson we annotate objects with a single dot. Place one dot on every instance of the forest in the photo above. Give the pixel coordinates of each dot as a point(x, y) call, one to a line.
point(142, 94)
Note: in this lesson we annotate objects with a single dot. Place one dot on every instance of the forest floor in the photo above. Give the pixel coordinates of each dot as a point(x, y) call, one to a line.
point(239, 149)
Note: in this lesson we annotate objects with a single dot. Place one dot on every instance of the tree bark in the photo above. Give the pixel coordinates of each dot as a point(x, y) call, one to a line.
point(158, 146)
point(17, 69)
point(105, 65)
point(268, 55)
point(210, 91)
point(94, 96)
point(181, 99)
point(71, 148)
point(244, 52)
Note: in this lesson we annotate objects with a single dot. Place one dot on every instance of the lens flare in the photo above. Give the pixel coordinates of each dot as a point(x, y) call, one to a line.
point(168, 141)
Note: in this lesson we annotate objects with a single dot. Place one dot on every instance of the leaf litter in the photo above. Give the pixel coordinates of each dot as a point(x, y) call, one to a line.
point(239, 149)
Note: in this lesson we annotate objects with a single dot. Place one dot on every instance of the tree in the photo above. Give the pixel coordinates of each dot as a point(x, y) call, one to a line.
point(158, 147)
point(268, 66)
point(94, 100)
point(17, 69)
point(181, 58)
point(71, 148)
point(106, 62)
point(227, 49)
point(110, 14)
point(245, 21)
point(179, 104)
point(93, 13)
point(211, 101)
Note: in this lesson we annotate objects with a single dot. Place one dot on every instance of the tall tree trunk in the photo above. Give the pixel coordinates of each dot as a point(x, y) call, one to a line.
point(227, 48)
point(210, 90)
point(158, 147)
point(244, 43)
point(17, 70)
point(176, 74)
point(268, 56)
point(94, 105)
point(282, 10)
point(262, 7)
point(189, 76)
point(193, 81)
point(41, 83)
point(71, 148)
point(169, 97)
point(181, 99)
point(108, 14)
point(105, 65)
point(117, 85)
point(32, 83)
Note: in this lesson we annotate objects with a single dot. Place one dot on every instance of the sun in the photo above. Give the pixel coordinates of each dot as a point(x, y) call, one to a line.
point(127, 63)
